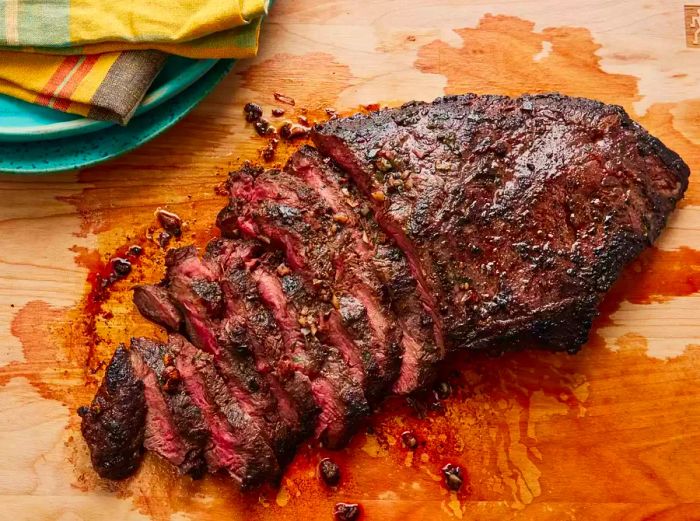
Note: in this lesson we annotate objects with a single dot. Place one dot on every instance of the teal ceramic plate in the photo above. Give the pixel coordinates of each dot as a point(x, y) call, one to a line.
point(21, 121)
point(43, 157)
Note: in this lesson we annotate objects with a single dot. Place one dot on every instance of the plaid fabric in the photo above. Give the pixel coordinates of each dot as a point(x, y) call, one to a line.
point(98, 59)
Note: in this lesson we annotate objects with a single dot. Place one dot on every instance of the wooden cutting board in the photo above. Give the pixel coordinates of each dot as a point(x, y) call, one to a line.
point(611, 433)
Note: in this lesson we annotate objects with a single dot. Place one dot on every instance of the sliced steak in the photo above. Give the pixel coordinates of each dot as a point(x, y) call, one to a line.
point(154, 303)
point(213, 326)
point(271, 205)
point(486, 220)
point(114, 424)
point(175, 427)
point(195, 290)
point(376, 270)
point(337, 393)
point(252, 326)
point(283, 208)
point(515, 214)
point(236, 442)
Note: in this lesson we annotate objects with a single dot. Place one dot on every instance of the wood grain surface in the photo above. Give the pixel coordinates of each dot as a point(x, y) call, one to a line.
point(611, 433)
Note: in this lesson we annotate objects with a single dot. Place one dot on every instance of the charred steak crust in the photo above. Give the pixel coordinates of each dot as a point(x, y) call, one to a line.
point(114, 424)
point(516, 214)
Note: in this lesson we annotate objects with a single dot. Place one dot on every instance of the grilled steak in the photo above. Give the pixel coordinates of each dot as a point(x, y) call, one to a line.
point(292, 388)
point(214, 326)
point(421, 344)
point(515, 214)
point(175, 427)
point(321, 245)
point(350, 273)
point(378, 274)
point(240, 361)
point(237, 444)
point(114, 424)
point(335, 388)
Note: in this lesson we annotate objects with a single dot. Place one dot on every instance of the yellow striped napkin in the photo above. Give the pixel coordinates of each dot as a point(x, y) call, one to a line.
point(97, 58)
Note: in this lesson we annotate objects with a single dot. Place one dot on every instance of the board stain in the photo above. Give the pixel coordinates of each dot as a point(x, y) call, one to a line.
point(656, 276)
point(525, 427)
point(572, 55)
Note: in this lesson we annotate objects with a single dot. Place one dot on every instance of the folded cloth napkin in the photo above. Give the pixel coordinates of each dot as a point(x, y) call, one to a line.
point(98, 58)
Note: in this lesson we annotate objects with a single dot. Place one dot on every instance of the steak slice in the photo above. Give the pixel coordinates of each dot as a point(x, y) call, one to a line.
point(337, 393)
point(175, 427)
point(421, 345)
point(284, 208)
point(236, 444)
point(376, 269)
point(154, 303)
point(195, 285)
point(252, 326)
point(515, 214)
point(114, 424)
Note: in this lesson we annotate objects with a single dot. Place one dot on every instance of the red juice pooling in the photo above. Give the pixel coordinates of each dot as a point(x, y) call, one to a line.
point(101, 276)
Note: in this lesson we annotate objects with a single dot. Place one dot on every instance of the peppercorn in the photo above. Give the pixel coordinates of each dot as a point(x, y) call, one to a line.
point(169, 221)
point(262, 127)
point(290, 131)
point(268, 153)
point(253, 112)
point(409, 440)
point(164, 239)
point(443, 390)
point(453, 476)
point(329, 472)
point(121, 267)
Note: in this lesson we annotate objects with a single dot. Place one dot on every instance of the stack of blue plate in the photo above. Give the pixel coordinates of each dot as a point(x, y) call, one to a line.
point(35, 140)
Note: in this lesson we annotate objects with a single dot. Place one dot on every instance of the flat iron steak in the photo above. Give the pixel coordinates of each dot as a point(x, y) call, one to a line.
point(473, 222)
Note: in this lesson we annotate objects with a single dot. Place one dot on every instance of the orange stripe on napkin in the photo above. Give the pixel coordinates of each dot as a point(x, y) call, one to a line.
point(44, 98)
point(62, 97)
